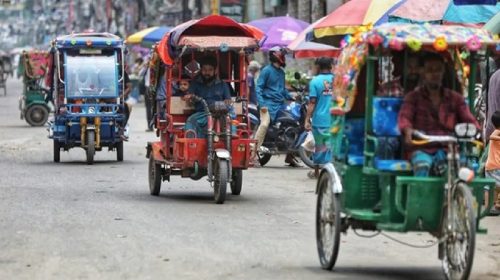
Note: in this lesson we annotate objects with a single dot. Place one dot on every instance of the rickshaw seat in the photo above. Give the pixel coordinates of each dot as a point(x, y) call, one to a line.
point(354, 131)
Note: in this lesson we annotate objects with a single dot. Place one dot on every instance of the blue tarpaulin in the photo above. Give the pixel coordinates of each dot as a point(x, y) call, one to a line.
point(475, 2)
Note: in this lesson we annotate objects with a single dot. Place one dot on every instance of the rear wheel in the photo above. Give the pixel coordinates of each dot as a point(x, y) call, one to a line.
point(119, 151)
point(327, 223)
point(306, 157)
point(236, 181)
point(37, 115)
point(459, 242)
point(90, 146)
point(57, 151)
point(154, 176)
point(221, 169)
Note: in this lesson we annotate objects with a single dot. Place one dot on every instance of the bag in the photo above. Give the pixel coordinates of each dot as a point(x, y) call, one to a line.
point(309, 144)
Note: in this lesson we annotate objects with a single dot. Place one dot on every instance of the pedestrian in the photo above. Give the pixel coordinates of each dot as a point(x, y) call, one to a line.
point(253, 74)
point(493, 161)
point(271, 94)
point(318, 113)
point(493, 100)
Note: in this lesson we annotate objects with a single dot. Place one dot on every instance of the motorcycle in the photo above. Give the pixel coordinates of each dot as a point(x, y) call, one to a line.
point(286, 134)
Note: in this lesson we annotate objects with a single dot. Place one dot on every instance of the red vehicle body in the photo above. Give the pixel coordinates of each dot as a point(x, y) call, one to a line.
point(224, 153)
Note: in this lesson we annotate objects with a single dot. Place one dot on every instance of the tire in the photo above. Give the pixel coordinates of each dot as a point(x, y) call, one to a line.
point(328, 223)
point(119, 151)
point(264, 158)
point(90, 146)
point(237, 181)
point(37, 115)
point(463, 241)
point(57, 151)
point(154, 177)
point(221, 168)
point(306, 157)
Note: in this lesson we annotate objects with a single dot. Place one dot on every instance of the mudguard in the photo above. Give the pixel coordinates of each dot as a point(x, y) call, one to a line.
point(334, 179)
point(223, 153)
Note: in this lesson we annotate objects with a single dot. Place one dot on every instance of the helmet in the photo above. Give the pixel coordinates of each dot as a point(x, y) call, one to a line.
point(277, 54)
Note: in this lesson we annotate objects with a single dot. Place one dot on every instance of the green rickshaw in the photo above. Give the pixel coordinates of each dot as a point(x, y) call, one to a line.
point(363, 190)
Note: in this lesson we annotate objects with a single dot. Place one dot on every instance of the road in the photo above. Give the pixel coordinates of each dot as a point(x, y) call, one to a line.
point(74, 221)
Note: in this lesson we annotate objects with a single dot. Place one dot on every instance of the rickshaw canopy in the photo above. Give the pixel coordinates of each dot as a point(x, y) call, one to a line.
point(88, 40)
point(398, 37)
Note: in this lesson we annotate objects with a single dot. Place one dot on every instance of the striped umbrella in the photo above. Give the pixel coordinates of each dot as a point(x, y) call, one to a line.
point(148, 36)
point(301, 48)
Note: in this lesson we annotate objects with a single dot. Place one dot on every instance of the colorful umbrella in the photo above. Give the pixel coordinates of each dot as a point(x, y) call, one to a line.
point(349, 17)
point(303, 49)
point(148, 36)
point(438, 11)
point(280, 31)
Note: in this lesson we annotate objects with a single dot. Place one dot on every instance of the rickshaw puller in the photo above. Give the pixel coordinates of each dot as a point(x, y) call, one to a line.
point(207, 86)
point(434, 110)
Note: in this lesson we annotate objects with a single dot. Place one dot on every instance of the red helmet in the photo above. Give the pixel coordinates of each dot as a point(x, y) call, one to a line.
point(277, 54)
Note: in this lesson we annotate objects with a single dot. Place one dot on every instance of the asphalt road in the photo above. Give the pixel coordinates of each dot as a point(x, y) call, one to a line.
point(74, 221)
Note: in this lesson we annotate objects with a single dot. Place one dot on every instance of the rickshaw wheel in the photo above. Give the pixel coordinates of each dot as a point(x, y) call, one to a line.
point(119, 151)
point(264, 158)
point(154, 176)
point(37, 115)
point(459, 245)
point(306, 157)
point(57, 151)
point(90, 146)
point(327, 223)
point(237, 181)
point(221, 169)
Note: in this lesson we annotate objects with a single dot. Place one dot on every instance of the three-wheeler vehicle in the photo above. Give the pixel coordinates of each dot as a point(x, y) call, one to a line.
point(33, 102)
point(364, 190)
point(226, 150)
point(88, 75)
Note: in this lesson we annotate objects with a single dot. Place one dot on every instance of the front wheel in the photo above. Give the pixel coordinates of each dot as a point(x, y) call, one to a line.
point(328, 223)
point(460, 237)
point(57, 151)
point(221, 170)
point(306, 157)
point(154, 177)
point(119, 151)
point(37, 115)
point(90, 146)
point(237, 181)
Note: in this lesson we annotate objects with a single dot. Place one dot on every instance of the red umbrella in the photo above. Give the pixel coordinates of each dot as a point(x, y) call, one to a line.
point(303, 49)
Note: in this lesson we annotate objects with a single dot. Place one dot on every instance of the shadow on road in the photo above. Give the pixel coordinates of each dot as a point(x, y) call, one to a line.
point(389, 273)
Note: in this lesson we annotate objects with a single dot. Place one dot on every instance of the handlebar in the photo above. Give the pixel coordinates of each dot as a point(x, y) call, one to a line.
point(424, 139)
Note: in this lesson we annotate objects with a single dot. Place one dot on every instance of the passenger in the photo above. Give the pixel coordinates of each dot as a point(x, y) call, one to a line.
point(434, 110)
point(493, 161)
point(320, 96)
point(253, 74)
point(207, 86)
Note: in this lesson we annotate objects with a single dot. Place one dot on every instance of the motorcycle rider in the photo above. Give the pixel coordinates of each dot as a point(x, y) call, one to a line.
point(271, 94)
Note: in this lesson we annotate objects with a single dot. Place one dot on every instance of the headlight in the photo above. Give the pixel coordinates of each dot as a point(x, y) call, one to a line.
point(91, 110)
point(465, 130)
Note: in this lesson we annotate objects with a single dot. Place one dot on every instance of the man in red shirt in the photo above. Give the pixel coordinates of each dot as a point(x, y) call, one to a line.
point(434, 110)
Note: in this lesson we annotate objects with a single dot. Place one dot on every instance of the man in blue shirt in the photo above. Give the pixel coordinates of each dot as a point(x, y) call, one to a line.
point(320, 94)
point(208, 87)
point(271, 94)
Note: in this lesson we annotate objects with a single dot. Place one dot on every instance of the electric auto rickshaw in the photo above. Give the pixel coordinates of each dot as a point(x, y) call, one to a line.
point(88, 74)
point(225, 151)
point(33, 102)
point(364, 190)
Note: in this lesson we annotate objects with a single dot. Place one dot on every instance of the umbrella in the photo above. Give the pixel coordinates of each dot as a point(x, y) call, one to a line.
point(437, 11)
point(280, 31)
point(493, 25)
point(349, 17)
point(148, 36)
point(303, 49)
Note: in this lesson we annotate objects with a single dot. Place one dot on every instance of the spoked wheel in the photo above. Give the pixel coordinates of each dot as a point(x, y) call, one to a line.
point(90, 146)
point(263, 158)
point(57, 151)
point(459, 241)
point(119, 151)
point(327, 223)
point(221, 169)
point(236, 181)
point(154, 170)
point(306, 157)
point(37, 115)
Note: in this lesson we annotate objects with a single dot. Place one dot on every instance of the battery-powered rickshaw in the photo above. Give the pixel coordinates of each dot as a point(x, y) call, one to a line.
point(33, 102)
point(225, 150)
point(88, 83)
point(364, 190)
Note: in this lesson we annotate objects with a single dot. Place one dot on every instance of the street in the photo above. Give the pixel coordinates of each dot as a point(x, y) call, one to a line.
point(74, 221)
